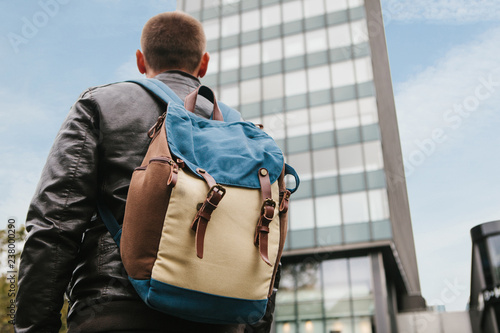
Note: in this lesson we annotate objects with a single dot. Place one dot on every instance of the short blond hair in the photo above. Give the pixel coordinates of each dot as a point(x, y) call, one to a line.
point(173, 40)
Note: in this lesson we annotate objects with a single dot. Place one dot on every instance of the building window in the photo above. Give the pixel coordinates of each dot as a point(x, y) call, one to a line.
point(321, 118)
point(313, 8)
point(343, 73)
point(355, 207)
point(350, 159)
point(333, 6)
point(359, 32)
point(346, 114)
point(212, 29)
point(301, 214)
point(230, 25)
point(272, 50)
point(250, 20)
point(361, 286)
point(271, 15)
point(368, 110)
point(230, 95)
point(355, 3)
point(192, 5)
point(330, 296)
point(274, 125)
point(302, 164)
point(336, 289)
point(297, 122)
point(328, 211)
point(213, 64)
point(339, 36)
point(295, 83)
point(325, 162)
point(318, 78)
point(273, 86)
point(210, 3)
point(294, 45)
point(292, 11)
point(364, 70)
point(230, 59)
point(250, 91)
point(373, 155)
point(316, 40)
point(379, 205)
point(250, 55)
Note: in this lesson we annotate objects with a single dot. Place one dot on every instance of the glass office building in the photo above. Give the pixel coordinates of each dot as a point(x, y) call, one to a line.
point(315, 73)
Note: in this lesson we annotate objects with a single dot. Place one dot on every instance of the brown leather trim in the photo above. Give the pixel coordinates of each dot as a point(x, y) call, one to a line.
point(158, 146)
point(208, 178)
point(283, 230)
point(140, 241)
point(153, 131)
point(190, 101)
point(200, 222)
point(172, 180)
point(284, 201)
point(266, 216)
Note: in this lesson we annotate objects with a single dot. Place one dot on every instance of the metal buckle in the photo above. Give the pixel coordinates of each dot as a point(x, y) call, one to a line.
point(268, 202)
point(219, 189)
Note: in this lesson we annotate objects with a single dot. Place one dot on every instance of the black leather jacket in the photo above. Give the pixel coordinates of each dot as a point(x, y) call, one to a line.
point(102, 140)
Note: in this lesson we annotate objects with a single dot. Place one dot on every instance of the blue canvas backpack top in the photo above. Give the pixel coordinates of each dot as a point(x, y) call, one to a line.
point(206, 214)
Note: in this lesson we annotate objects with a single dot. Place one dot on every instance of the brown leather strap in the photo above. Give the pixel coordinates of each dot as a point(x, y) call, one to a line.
point(200, 222)
point(180, 163)
point(155, 129)
point(266, 216)
point(158, 146)
point(190, 101)
point(209, 179)
point(172, 179)
point(284, 200)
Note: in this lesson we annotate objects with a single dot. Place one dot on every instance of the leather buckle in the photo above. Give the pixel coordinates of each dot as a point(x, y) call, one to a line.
point(267, 202)
point(217, 188)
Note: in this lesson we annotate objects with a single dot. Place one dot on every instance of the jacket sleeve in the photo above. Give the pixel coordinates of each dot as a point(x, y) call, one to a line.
point(60, 210)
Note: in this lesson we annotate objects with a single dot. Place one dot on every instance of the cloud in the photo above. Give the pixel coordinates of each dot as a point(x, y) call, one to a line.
point(451, 98)
point(442, 11)
point(456, 97)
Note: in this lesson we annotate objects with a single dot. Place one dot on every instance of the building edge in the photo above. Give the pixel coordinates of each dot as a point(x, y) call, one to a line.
point(392, 155)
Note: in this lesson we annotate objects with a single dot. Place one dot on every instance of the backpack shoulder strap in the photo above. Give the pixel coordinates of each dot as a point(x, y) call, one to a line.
point(110, 222)
point(160, 89)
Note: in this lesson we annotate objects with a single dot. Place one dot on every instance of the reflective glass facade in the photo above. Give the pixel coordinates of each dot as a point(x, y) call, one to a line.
point(334, 295)
point(303, 69)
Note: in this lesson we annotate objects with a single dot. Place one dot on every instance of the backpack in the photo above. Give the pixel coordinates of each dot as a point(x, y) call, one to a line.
point(206, 214)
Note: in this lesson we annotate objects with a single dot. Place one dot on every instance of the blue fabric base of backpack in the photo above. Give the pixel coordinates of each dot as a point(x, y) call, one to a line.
point(199, 306)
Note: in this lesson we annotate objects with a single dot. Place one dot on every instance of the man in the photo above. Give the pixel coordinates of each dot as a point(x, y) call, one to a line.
point(102, 140)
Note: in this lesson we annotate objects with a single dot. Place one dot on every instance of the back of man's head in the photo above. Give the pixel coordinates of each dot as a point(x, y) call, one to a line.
point(173, 40)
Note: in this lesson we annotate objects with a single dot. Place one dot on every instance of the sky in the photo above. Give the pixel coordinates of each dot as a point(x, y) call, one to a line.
point(446, 77)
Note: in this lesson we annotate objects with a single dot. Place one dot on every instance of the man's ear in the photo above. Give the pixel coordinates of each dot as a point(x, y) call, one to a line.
point(141, 65)
point(205, 58)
